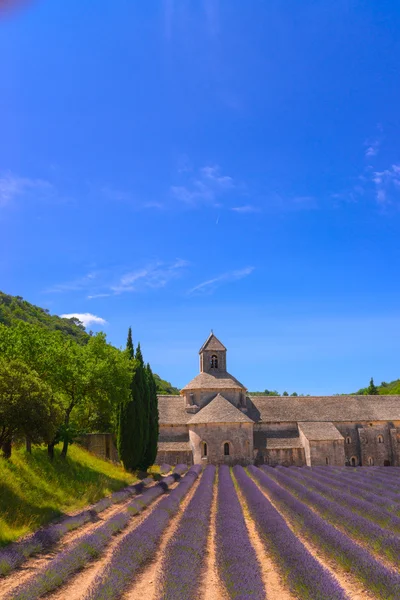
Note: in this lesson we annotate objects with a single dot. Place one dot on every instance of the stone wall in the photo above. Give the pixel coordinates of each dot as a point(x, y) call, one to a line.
point(239, 436)
point(100, 444)
point(286, 457)
point(174, 458)
point(375, 444)
point(173, 433)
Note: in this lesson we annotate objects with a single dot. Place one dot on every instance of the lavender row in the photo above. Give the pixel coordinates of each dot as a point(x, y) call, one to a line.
point(237, 561)
point(383, 582)
point(42, 540)
point(351, 500)
point(362, 483)
point(184, 562)
point(305, 576)
point(164, 469)
point(381, 540)
point(88, 547)
point(367, 475)
point(138, 546)
point(389, 501)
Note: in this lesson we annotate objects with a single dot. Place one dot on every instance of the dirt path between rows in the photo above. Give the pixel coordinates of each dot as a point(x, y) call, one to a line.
point(147, 583)
point(275, 587)
point(35, 564)
point(212, 588)
point(353, 588)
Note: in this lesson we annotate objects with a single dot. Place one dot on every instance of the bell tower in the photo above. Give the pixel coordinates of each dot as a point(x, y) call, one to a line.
point(212, 356)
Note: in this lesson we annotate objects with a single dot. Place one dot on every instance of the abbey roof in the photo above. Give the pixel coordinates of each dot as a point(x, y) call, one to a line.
point(324, 408)
point(320, 431)
point(307, 409)
point(219, 410)
point(219, 380)
point(212, 343)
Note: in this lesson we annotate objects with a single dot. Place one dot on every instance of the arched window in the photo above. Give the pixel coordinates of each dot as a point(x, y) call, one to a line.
point(327, 460)
point(370, 461)
point(353, 461)
point(226, 449)
point(380, 439)
point(214, 362)
point(204, 449)
point(348, 440)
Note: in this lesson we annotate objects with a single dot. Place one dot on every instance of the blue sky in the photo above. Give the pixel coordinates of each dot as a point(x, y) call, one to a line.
point(179, 166)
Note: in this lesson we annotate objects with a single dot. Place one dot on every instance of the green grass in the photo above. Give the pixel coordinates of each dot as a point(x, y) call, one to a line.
point(34, 490)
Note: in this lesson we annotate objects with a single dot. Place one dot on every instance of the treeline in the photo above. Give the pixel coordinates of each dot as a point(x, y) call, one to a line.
point(274, 393)
point(54, 388)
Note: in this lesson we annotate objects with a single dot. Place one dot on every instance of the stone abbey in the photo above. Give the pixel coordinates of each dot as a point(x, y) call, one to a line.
point(215, 421)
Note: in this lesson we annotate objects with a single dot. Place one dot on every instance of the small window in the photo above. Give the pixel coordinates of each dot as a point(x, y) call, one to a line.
point(353, 461)
point(214, 362)
point(380, 439)
point(204, 449)
point(327, 460)
point(370, 461)
point(226, 449)
point(348, 440)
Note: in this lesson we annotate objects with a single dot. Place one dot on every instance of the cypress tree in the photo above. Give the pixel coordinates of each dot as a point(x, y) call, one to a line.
point(127, 421)
point(143, 391)
point(151, 449)
point(372, 390)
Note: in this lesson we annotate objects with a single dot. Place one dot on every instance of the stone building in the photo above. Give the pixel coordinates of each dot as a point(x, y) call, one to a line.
point(214, 420)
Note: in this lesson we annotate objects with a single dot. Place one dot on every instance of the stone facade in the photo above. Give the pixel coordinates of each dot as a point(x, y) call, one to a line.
point(215, 421)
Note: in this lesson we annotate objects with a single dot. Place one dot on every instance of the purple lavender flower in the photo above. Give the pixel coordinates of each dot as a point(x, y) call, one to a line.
point(236, 558)
point(184, 561)
point(138, 546)
point(305, 576)
point(380, 540)
point(85, 549)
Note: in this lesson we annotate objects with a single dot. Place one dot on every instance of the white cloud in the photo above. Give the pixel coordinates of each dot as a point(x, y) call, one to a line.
point(247, 208)
point(386, 182)
point(212, 284)
point(85, 318)
point(12, 186)
point(372, 149)
point(209, 184)
point(153, 276)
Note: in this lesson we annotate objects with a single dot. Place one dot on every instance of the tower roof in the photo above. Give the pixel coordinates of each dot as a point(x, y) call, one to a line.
point(213, 381)
point(212, 343)
point(219, 410)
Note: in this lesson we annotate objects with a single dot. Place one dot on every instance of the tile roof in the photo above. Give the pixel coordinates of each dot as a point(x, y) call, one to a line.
point(171, 410)
point(218, 380)
point(219, 410)
point(282, 443)
point(324, 408)
point(320, 431)
point(212, 343)
point(173, 446)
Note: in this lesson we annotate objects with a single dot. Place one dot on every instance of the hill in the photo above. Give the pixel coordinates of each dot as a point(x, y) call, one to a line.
point(14, 308)
point(35, 490)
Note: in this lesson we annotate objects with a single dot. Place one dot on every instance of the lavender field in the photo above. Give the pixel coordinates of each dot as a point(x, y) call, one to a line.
point(323, 533)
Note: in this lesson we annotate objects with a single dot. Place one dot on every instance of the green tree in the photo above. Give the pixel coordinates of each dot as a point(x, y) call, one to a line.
point(143, 398)
point(294, 394)
point(285, 394)
point(372, 390)
point(26, 406)
point(127, 418)
point(151, 448)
